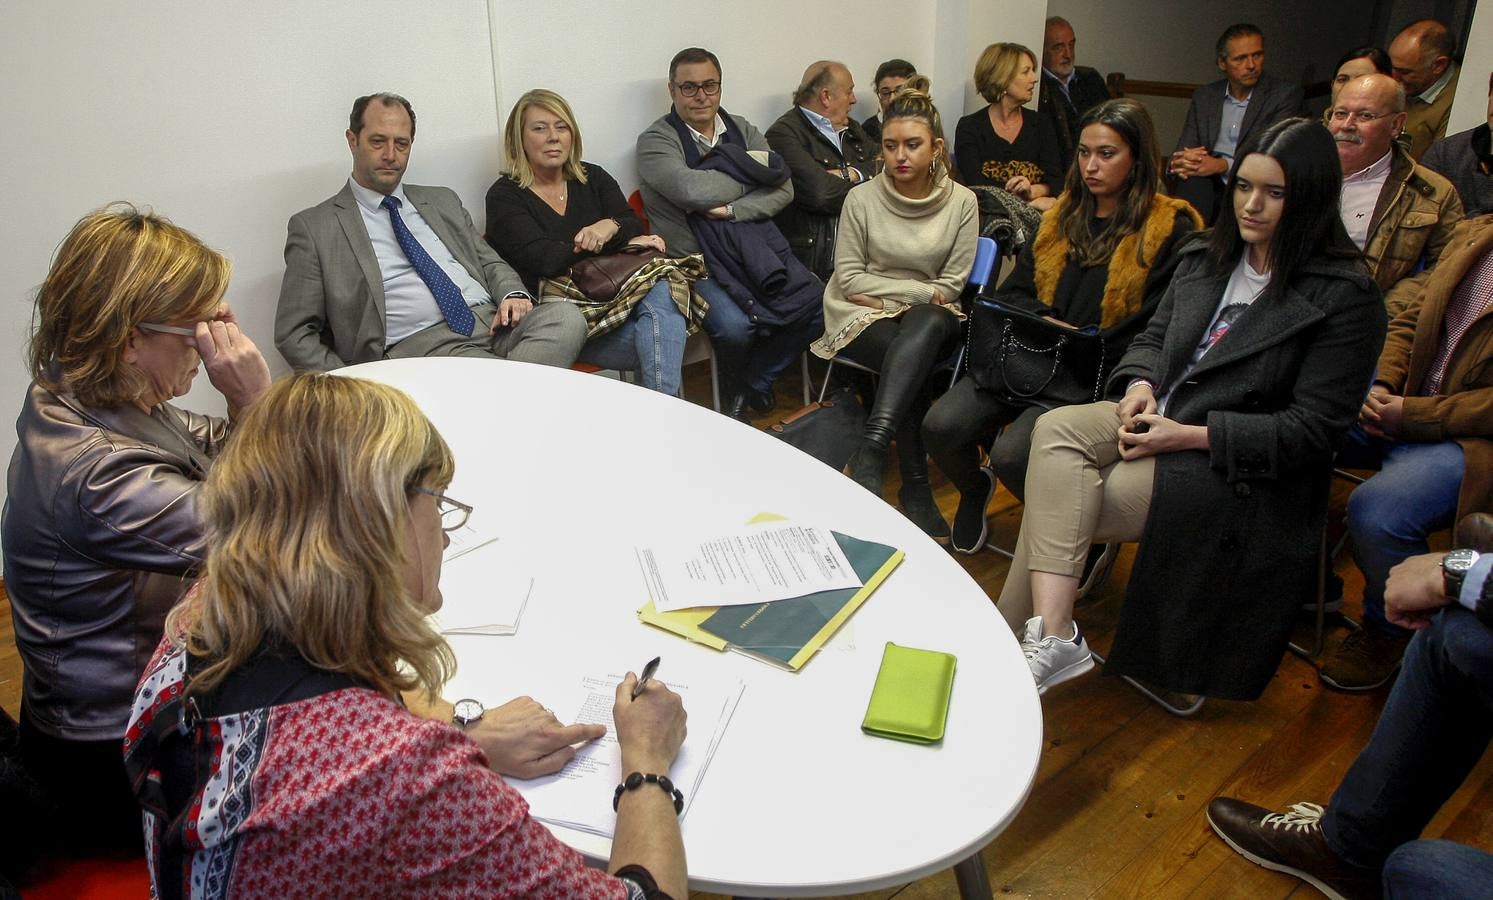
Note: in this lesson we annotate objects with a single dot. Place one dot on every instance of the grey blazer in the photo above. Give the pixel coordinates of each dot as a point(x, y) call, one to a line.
point(331, 310)
point(1271, 101)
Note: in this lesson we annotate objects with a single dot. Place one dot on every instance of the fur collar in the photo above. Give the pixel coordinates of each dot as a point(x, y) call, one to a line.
point(1125, 283)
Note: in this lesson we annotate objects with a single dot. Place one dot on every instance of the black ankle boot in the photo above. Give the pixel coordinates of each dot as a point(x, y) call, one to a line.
point(916, 494)
point(865, 465)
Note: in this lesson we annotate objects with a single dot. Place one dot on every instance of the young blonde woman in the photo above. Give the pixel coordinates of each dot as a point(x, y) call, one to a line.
point(268, 744)
point(906, 244)
point(552, 210)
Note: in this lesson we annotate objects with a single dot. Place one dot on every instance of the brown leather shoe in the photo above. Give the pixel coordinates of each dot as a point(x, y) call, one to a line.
point(1291, 842)
point(1365, 660)
point(1475, 532)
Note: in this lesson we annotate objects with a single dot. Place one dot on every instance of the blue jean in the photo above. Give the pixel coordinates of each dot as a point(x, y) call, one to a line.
point(750, 356)
point(651, 342)
point(1435, 726)
point(1391, 515)
point(1436, 869)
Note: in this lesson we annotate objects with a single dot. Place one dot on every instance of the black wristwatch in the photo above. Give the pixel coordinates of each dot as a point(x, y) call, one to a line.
point(1454, 568)
point(466, 712)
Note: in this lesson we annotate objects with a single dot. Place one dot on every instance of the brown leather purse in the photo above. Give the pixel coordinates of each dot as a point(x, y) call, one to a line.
point(600, 277)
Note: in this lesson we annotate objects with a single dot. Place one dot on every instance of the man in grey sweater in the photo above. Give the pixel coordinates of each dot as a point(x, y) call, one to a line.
point(751, 355)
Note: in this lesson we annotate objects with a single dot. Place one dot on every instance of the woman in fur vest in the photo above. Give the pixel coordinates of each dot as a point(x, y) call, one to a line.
point(1102, 257)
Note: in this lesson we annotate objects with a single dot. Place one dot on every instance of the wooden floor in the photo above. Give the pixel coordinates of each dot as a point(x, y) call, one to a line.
point(1117, 809)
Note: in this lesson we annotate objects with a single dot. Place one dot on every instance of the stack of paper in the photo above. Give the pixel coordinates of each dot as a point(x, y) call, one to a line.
point(484, 588)
point(579, 795)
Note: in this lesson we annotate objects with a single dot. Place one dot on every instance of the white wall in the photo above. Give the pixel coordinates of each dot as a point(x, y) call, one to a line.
point(1470, 109)
point(228, 118)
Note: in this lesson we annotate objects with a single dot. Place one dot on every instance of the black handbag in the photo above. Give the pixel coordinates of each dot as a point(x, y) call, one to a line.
point(1030, 360)
point(828, 430)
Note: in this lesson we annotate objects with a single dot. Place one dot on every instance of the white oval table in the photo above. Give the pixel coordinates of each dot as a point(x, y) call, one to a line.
point(797, 801)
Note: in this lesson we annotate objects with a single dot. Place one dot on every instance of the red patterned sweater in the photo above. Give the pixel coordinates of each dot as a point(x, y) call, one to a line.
point(342, 794)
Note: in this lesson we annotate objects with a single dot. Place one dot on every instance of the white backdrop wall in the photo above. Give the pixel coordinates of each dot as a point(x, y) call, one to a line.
point(1470, 109)
point(228, 118)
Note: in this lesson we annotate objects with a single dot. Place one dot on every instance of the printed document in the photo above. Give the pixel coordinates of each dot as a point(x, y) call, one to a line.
point(579, 795)
point(755, 564)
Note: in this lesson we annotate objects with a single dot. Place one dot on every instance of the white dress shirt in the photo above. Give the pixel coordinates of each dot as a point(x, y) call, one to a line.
point(709, 142)
point(409, 306)
point(1361, 194)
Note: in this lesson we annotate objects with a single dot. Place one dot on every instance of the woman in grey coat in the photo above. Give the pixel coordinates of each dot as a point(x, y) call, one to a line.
point(100, 528)
point(1218, 457)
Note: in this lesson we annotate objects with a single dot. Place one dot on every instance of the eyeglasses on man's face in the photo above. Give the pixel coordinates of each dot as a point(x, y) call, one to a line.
point(1363, 116)
point(454, 513)
point(691, 88)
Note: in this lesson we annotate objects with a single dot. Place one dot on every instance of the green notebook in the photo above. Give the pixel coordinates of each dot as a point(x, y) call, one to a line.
point(788, 632)
point(910, 701)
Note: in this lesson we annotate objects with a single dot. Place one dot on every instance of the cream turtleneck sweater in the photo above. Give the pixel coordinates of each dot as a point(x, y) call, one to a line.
point(898, 250)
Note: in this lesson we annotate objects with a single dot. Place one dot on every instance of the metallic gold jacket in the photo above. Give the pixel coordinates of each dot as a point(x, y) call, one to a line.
point(100, 533)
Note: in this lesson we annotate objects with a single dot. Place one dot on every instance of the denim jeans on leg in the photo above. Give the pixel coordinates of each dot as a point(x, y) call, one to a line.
point(1434, 728)
point(650, 342)
point(730, 334)
point(1433, 869)
point(748, 356)
point(1391, 515)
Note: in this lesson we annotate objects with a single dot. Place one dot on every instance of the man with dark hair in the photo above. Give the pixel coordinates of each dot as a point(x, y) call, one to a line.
point(1400, 214)
point(710, 187)
point(1423, 58)
point(890, 75)
point(828, 154)
point(1435, 726)
point(1224, 114)
point(383, 269)
point(1068, 90)
point(1466, 159)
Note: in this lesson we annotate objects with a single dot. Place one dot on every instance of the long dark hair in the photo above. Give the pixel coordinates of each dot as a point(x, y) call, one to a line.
point(1378, 57)
point(1310, 223)
point(1133, 124)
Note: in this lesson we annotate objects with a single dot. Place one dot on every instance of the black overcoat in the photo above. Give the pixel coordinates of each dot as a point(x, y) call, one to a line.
point(1229, 550)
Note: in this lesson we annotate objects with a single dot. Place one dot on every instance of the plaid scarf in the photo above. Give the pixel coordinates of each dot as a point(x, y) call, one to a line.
point(602, 317)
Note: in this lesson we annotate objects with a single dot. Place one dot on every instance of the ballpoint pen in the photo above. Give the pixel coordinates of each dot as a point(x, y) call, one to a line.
point(648, 671)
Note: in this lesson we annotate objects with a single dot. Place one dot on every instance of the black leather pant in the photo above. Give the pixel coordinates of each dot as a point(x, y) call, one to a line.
point(904, 352)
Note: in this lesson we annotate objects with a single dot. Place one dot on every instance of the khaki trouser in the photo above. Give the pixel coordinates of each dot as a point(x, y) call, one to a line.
point(1078, 492)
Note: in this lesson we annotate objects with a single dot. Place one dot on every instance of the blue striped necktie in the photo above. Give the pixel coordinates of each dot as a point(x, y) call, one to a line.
point(447, 295)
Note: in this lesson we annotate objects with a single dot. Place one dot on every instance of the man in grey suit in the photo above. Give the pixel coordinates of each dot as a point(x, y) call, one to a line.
point(1224, 114)
point(384, 270)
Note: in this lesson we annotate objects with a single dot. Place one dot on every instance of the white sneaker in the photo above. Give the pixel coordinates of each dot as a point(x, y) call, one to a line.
point(1052, 659)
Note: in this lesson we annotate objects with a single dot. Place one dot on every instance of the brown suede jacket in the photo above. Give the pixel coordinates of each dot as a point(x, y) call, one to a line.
point(1415, 214)
point(1464, 412)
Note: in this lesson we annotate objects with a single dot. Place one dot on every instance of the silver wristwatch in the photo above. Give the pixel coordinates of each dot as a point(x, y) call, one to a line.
point(1454, 568)
point(466, 712)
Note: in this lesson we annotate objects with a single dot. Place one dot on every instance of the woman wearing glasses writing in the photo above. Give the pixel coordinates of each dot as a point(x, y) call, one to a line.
point(269, 745)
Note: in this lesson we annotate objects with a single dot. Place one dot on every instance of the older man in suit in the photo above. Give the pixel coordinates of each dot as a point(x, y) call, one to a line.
point(384, 270)
point(1224, 114)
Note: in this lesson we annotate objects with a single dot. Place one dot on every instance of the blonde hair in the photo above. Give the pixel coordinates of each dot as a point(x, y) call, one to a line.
point(912, 101)
point(306, 511)
point(519, 168)
point(118, 267)
point(997, 66)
